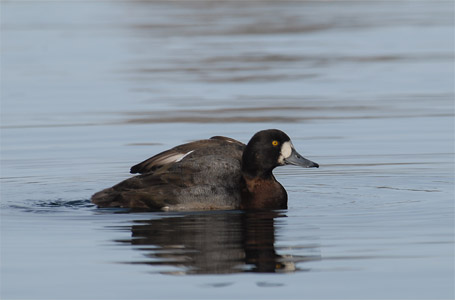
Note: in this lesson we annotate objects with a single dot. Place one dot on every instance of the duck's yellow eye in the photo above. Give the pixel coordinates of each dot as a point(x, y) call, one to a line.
point(275, 143)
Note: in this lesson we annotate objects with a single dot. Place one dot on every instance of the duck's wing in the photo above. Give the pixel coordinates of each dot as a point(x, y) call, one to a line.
point(226, 139)
point(157, 161)
point(166, 157)
point(209, 180)
point(178, 153)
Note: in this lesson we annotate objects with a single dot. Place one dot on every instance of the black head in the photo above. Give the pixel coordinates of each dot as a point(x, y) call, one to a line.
point(268, 149)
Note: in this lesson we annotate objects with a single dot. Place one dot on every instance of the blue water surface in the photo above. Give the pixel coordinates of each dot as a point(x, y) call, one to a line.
point(365, 89)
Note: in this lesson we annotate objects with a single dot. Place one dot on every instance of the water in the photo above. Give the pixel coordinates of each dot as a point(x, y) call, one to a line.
point(365, 89)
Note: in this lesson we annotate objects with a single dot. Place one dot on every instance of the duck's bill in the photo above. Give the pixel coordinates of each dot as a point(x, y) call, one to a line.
point(298, 160)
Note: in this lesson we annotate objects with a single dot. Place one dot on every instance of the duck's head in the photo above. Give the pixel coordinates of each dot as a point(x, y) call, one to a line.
point(268, 149)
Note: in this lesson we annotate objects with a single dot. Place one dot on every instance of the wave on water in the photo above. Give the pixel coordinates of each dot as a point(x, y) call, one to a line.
point(54, 205)
point(66, 203)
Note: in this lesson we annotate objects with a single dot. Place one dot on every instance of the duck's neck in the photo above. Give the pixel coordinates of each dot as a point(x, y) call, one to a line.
point(263, 192)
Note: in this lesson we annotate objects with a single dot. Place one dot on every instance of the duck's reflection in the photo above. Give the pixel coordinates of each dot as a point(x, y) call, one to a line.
point(214, 243)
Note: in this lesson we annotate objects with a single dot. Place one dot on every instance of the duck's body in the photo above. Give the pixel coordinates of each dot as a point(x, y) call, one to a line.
point(218, 173)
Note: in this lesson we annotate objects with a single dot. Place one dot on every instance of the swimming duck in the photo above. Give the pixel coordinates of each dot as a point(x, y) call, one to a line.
point(216, 173)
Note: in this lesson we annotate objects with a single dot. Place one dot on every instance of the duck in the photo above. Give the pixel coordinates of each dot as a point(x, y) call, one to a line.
point(219, 173)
